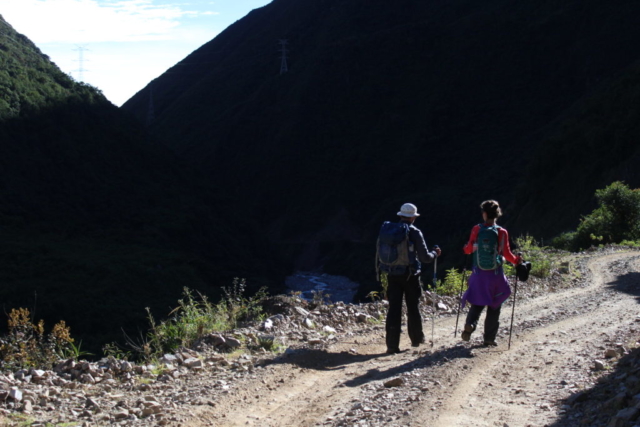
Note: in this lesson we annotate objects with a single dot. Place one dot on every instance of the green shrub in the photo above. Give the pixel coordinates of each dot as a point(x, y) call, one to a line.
point(197, 317)
point(564, 241)
point(631, 243)
point(452, 283)
point(543, 262)
point(616, 219)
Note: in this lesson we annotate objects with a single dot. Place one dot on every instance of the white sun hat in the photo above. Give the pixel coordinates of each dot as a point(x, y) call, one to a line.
point(408, 210)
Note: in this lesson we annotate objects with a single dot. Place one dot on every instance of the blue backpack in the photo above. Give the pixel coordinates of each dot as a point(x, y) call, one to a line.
point(393, 248)
point(489, 252)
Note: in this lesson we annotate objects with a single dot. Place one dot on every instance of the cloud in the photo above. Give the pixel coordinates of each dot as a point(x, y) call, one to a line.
point(93, 21)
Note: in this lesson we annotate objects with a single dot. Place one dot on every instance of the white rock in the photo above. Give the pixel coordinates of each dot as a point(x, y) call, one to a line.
point(442, 307)
point(121, 414)
point(169, 359)
point(267, 325)
point(193, 363)
point(15, 394)
point(301, 311)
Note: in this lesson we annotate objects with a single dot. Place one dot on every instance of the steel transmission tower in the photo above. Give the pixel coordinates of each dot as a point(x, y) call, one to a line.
point(283, 50)
point(80, 69)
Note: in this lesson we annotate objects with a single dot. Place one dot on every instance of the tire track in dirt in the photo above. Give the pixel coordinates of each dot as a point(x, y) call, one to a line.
point(510, 386)
point(303, 388)
point(554, 337)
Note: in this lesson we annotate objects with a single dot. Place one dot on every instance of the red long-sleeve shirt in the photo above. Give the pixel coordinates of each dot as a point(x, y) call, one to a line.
point(503, 238)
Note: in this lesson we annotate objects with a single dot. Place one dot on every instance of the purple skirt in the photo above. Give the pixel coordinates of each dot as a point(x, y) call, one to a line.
point(487, 287)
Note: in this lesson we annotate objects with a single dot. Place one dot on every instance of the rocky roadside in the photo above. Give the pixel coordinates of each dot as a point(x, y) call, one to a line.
point(611, 396)
point(119, 392)
point(601, 388)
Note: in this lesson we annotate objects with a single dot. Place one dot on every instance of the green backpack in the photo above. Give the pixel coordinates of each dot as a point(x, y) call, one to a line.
point(489, 252)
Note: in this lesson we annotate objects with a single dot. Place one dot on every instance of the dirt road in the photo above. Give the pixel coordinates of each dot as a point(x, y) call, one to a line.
point(557, 337)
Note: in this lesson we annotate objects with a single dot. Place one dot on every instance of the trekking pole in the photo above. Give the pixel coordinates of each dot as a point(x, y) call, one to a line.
point(433, 297)
point(464, 272)
point(513, 309)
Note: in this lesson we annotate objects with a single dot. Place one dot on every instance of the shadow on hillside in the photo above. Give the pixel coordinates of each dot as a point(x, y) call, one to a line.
point(323, 360)
point(628, 283)
point(611, 397)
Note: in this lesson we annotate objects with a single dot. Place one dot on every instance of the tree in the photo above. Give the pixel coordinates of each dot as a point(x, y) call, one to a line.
point(616, 218)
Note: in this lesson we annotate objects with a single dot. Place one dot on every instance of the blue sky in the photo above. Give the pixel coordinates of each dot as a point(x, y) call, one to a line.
point(124, 43)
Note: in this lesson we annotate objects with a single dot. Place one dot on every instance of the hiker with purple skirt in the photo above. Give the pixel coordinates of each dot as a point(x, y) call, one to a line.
point(488, 286)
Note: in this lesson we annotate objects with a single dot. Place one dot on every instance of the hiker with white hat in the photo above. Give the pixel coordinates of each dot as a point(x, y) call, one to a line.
point(401, 250)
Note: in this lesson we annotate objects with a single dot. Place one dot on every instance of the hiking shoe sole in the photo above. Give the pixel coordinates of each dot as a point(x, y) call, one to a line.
point(466, 334)
point(490, 344)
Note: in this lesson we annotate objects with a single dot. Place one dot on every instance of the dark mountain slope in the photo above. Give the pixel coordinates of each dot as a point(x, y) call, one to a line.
point(99, 221)
point(594, 145)
point(438, 103)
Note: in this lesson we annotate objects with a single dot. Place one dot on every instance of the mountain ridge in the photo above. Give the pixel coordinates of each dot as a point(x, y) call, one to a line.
point(99, 220)
point(384, 104)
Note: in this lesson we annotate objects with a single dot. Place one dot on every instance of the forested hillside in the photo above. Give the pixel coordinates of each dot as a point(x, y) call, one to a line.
point(443, 104)
point(98, 220)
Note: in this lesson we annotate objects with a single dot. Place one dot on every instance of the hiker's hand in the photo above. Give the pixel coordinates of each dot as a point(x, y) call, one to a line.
point(437, 250)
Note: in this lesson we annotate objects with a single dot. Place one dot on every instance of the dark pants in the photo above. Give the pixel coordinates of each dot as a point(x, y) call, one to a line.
point(491, 321)
point(408, 286)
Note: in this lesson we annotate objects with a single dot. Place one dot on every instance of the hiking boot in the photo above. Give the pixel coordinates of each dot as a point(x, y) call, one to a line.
point(490, 343)
point(466, 334)
point(417, 344)
point(393, 351)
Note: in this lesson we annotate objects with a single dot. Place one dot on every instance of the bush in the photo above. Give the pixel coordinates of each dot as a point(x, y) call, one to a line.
point(617, 218)
point(197, 317)
point(542, 262)
point(564, 241)
point(452, 283)
point(27, 346)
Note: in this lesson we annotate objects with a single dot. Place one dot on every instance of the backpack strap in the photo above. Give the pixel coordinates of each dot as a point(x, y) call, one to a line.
point(500, 240)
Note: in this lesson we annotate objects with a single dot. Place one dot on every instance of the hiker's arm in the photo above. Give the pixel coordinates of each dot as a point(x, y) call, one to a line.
point(421, 247)
point(506, 249)
point(468, 248)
